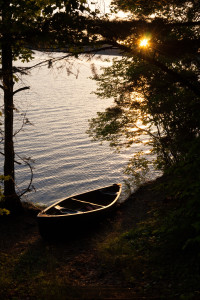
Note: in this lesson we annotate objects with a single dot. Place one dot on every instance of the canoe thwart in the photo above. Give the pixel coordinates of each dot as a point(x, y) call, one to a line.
point(95, 204)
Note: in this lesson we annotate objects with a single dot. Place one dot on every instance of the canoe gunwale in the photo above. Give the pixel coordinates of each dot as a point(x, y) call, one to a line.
point(43, 214)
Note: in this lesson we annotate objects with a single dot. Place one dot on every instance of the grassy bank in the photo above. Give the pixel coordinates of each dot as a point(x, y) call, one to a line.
point(130, 255)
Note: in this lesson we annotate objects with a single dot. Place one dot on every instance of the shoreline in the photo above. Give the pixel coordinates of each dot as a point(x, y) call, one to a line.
point(80, 267)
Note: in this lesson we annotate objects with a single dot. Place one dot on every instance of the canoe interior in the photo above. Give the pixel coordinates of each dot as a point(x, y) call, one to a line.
point(84, 203)
point(78, 214)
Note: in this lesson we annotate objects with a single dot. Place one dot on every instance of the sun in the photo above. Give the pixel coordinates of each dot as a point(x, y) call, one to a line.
point(144, 43)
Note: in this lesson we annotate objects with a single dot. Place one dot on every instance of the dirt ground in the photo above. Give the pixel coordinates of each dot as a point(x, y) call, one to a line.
point(78, 259)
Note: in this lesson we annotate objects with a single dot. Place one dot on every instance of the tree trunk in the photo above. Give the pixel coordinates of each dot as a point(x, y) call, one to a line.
point(12, 201)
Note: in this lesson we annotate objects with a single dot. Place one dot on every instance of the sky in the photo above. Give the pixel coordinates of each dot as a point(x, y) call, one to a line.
point(104, 7)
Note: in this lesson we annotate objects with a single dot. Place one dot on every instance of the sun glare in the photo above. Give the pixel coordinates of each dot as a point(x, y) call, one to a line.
point(144, 43)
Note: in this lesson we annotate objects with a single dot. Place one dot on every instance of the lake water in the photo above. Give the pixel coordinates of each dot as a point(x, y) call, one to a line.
point(66, 161)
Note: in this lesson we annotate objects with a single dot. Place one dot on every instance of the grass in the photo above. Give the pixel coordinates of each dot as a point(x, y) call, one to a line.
point(35, 274)
point(154, 259)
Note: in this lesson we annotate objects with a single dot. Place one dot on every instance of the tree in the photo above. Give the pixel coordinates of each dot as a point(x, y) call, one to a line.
point(27, 24)
point(156, 91)
point(156, 84)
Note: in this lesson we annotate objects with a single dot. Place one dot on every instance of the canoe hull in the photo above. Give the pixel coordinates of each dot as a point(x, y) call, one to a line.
point(53, 224)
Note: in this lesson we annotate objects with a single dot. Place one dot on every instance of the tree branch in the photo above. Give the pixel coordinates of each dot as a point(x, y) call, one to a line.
point(26, 161)
point(21, 89)
point(122, 29)
point(175, 75)
point(56, 59)
point(178, 77)
point(17, 162)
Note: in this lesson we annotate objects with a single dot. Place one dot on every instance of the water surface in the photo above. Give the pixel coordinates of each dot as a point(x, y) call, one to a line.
point(59, 105)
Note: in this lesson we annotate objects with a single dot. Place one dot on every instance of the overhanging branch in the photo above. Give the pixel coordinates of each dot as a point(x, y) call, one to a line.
point(21, 89)
point(28, 189)
point(175, 75)
point(56, 59)
point(17, 162)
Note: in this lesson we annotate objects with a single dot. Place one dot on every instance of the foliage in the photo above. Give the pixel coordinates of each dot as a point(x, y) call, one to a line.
point(148, 255)
point(163, 109)
point(156, 92)
point(38, 23)
point(161, 8)
point(184, 185)
point(3, 210)
point(137, 170)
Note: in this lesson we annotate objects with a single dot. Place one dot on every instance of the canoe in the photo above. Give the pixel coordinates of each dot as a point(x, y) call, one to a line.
point(78, 211)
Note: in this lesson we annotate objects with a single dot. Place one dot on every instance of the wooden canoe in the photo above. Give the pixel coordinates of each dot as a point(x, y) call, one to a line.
point(76, 212)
